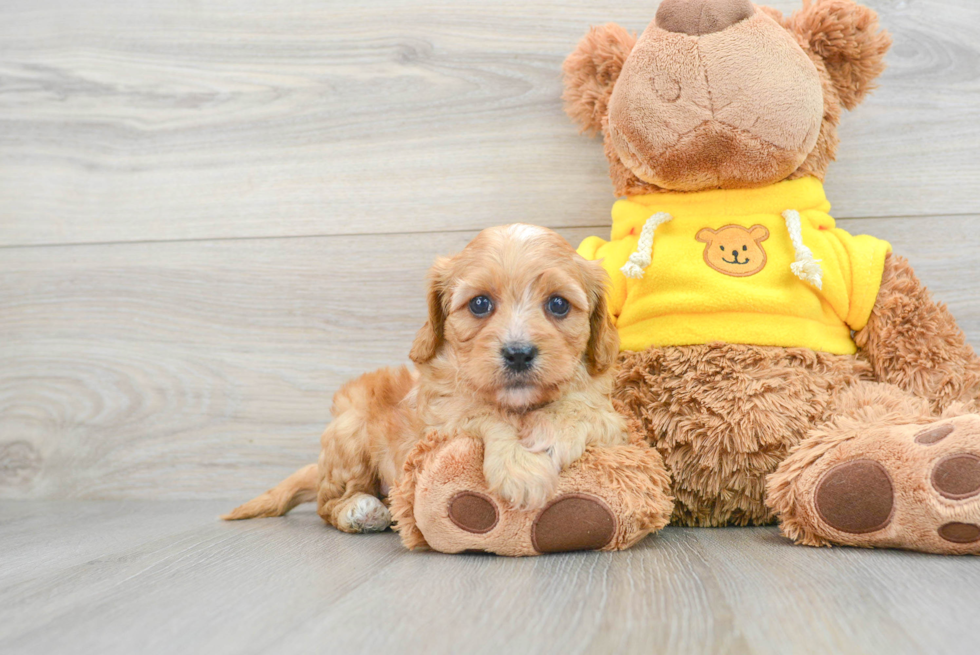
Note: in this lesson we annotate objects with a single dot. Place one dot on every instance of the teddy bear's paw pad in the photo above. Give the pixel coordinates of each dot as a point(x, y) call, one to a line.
point(960, 533)
point(934, 434)
point(856, 497)
point(368, 514)
point(573, 522)
point(473, 512)
point(957, 477)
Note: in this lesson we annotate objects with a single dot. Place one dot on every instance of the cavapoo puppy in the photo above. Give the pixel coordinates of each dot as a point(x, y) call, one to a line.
point(518, 350)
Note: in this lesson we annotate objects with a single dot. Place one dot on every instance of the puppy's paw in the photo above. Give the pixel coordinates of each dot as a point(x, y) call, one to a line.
point(524, 479)
point(529, 494)
point(364, 513)
point(563, 453)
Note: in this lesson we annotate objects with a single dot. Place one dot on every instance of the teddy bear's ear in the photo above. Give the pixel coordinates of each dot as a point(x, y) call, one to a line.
point(591, 71)
point(847, 37)
point(773, 13)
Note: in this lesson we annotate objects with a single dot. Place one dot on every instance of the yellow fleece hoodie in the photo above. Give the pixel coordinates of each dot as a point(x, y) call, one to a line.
point(755, 266)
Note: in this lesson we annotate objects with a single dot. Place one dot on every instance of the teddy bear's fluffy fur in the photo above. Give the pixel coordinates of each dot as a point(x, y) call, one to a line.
point(725, 415)
point(750, 433)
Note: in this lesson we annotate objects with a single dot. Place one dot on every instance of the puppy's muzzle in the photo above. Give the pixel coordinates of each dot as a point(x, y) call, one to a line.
point(518, 357)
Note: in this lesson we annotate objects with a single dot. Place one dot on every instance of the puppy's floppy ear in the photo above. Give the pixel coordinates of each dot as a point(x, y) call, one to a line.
point(430, 337)
point(847, 37)
point(603, 347)
point(591, 72)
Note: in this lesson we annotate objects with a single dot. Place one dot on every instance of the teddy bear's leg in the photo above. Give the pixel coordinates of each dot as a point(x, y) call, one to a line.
point(607, 500)
point(884, 472)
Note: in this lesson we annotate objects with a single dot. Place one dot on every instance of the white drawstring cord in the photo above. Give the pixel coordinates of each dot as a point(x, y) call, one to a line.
point(805, 267)
point(643, 255)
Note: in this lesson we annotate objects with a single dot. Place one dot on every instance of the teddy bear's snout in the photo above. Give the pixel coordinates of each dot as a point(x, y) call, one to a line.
point(740, 106)
point(700, 17)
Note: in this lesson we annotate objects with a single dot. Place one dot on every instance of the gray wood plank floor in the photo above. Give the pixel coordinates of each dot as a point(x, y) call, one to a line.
point(106, 577)
point(212, 214)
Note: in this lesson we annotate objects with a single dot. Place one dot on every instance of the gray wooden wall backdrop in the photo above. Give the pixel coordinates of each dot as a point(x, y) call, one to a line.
point(211, 214)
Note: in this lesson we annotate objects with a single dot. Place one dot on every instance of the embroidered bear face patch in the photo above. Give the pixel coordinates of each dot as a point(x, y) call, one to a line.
point(735, 250)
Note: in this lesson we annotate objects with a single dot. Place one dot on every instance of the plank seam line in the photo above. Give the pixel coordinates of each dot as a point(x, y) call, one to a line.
point(281, 237)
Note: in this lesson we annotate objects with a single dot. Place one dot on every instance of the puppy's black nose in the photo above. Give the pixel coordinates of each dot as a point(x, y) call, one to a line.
point(518, 357)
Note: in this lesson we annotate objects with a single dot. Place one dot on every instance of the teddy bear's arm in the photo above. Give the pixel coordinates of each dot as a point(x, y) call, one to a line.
point(913, 342)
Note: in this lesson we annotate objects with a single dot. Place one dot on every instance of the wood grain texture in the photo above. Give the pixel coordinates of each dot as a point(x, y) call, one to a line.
point(167, 577)
point(185, 120)
point(213, 214)
point(205, 369)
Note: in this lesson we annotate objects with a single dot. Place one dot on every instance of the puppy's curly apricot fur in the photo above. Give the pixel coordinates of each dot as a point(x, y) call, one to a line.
point(535, 416)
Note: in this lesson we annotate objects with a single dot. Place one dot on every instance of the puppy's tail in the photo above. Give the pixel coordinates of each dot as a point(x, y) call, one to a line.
point(298, 488)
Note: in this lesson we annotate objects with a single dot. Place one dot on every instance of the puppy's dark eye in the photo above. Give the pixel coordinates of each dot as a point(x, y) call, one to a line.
point(744, 248)
point(558, 306)
point(481, 306)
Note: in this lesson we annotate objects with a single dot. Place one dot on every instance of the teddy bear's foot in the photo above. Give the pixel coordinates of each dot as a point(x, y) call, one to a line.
point(915, 487)
point(608, 500)
point(574, 521)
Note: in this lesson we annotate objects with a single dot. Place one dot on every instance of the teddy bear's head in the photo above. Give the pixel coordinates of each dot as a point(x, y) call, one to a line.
point(723, 93)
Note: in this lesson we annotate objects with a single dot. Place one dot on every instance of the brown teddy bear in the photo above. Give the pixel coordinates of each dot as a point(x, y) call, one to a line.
point(785, 369)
